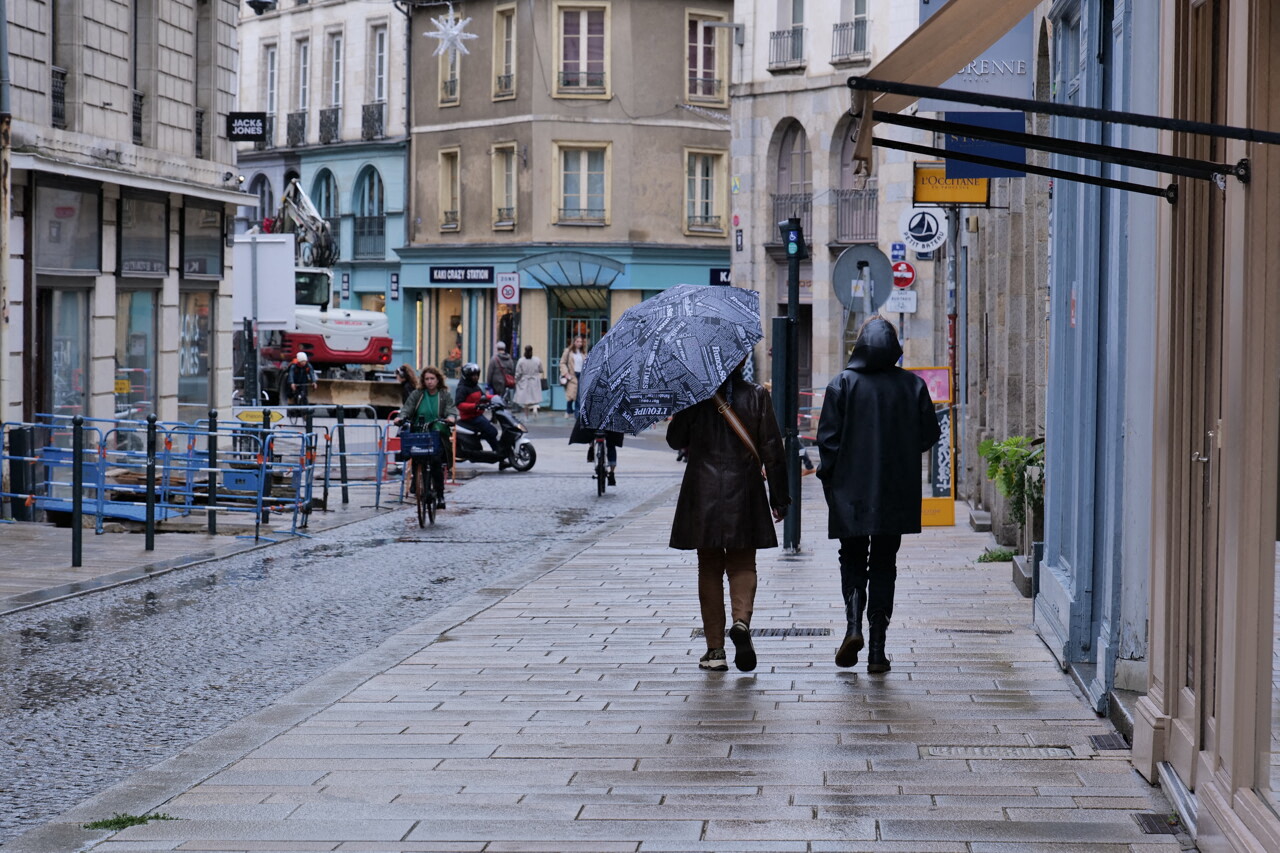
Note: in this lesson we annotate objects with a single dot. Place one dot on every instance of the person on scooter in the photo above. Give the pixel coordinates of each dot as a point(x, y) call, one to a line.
point(472, 400)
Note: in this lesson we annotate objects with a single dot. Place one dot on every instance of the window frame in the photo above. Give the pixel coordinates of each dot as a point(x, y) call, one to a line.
point(506, 185)
point(334, 45)
point(302, 89)
point(506, 37)
point(449, 66)
point(719, 36)
point(379, 54)
point(559, 148)
point(449, 188)
point(718, 196)
point(271, 77)
point(559, 90)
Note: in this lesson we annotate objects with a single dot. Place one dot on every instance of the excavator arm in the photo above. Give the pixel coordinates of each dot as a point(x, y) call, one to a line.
point(316, 245)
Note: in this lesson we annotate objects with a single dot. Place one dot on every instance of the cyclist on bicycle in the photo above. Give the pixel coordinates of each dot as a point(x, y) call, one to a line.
point(431, 407)
point(583, 434)
point(301, 377)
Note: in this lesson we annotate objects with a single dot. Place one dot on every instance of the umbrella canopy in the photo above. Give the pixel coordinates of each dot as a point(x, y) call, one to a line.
point(666, 354)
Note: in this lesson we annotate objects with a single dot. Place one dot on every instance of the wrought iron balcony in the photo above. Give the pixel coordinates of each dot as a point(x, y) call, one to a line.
point(799, 205)
point(370, 236)
point(582, 215)
point(58, 92)
point(506, 216)
point(505, 84)
point(849, 41)
point(138, 100)
point(449, 90)
point(330, 125)
point(268, 135)
point(857, 214)
point(373, 121)
point(296, 132)
point(582, 80)
point(704, 87)
point(786, 49)
point(705, 223)
point(199, 133)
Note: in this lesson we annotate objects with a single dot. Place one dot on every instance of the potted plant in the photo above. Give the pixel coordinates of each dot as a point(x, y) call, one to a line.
point(1015, 465)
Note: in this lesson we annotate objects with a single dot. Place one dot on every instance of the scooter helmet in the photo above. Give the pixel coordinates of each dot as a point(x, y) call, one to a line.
point(470, 370)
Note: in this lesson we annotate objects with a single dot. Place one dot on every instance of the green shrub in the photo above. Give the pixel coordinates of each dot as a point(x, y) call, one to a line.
point(1007, 463)
point(124, 821)
point(996, 555)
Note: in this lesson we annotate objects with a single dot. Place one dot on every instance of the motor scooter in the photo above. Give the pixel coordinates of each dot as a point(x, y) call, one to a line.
point(514, 445)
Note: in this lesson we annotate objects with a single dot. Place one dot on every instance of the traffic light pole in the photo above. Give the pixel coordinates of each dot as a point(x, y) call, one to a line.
point(793, 239)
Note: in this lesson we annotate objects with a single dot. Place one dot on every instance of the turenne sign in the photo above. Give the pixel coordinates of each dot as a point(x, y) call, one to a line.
point(1003, 69)
point(246, 127)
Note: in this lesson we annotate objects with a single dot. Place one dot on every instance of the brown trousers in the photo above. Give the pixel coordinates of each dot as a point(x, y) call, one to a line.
point(713, 564)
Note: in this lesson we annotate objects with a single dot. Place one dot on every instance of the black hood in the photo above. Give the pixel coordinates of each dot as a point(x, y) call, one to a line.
point(877, 346)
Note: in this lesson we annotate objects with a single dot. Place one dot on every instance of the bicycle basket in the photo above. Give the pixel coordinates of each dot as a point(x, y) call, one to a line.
point(420, 445)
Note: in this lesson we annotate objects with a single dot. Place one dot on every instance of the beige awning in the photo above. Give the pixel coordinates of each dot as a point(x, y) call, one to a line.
point(954, 36)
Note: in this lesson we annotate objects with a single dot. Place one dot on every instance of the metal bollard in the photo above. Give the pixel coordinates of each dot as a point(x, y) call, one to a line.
point(342, 455)
point(77, 490)
point(213, 471)
point(151, 483)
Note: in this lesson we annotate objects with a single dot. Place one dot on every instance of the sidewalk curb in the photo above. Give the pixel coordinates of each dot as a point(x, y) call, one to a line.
point(148, 789)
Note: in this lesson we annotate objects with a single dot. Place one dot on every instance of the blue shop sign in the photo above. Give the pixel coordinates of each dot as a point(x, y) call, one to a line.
point(1009, 121)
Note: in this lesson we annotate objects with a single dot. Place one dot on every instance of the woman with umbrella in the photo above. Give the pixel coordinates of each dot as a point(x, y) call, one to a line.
point(723, 511)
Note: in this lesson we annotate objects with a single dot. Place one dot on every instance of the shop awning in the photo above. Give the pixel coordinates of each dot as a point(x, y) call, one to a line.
point(955, 35)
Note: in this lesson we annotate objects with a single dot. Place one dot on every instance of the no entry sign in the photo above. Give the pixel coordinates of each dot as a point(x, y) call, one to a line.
point(904, 275)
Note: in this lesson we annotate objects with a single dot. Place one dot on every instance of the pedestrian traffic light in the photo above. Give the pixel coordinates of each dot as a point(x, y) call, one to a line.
point(793, 237)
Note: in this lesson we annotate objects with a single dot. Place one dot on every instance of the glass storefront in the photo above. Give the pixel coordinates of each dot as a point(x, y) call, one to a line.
point(144, 237)
point(202, 241)
point(67, 229)
point(136, 350)
point(195, 354)
point(64, 351)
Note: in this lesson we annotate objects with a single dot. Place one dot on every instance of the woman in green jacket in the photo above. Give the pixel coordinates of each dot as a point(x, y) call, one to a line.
point(428, 404)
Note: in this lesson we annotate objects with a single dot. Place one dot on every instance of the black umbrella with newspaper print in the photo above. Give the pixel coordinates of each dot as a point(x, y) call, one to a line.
point(667, 354)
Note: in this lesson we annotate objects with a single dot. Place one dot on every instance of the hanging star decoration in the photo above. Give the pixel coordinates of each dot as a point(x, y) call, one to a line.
point(449, 31)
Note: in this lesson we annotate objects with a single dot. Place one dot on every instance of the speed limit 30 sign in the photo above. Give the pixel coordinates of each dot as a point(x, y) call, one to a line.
point(508, 288)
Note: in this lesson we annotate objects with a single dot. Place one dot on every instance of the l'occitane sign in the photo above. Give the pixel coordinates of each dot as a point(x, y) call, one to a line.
point(933, 187)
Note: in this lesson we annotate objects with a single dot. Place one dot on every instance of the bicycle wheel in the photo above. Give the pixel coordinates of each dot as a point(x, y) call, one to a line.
point(431, 490)
point(420, 488)
point(601, 475)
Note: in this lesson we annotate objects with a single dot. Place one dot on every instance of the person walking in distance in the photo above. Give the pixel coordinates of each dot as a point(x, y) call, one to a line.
point(571, 361)
point(877, 419)
point(723, 511)
point(501, 376)
point(530, 382)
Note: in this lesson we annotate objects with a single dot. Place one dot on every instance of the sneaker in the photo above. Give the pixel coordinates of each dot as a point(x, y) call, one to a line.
point(612, 480)
point(745, 654)
point(714, 659)
point(440, 503)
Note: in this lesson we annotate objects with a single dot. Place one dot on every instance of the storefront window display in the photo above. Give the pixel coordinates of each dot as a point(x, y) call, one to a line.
point(144, 237)
point(202, 241)
point(64, 351)
point(68, 229)
point(509, 326)
point(135, 373)
point(195, 355)
point(373, 302)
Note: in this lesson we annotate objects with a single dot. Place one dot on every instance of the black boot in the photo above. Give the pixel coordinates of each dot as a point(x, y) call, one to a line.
point(847, 654)
point(876, 660)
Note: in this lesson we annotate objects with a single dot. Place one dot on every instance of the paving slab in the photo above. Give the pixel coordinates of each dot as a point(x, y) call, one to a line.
point(565, 710)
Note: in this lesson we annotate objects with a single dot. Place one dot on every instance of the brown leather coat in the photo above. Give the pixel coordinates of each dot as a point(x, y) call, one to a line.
point(722, 499)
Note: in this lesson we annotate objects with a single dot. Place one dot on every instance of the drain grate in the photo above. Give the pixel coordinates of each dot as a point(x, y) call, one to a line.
point(1157, 824)
point(973, 630)
point(781, 632)
point(1115, 740)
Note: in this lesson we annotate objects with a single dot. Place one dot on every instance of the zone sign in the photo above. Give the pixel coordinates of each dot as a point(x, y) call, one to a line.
point(904, 275)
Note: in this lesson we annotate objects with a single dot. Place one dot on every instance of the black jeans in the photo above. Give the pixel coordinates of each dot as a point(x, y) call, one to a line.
point(869, 564)
point(485, 428)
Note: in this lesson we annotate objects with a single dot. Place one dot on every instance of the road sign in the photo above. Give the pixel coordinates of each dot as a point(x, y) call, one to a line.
point(508, 288)
point(861, 278)
point(923, 228)
point(904, 275)
point(902, 302)
point(897, 251)
point(254, 416)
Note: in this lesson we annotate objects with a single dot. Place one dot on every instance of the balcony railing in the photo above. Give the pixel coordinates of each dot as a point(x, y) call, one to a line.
point(449, 220)
point(449, 90)
point(857, 214)
point(582, 215)
point(138, 100)
point(705, 223)
point(583, 80)
point(704, 87)
point(849, 41)
point(373, 121)
point(58, 91)
point(268, 135)
point(296, 132)
point(506, 216)
point(370, 236)
point(199, 134)
point(330, 125)
point(799, 205)
point(786, 49)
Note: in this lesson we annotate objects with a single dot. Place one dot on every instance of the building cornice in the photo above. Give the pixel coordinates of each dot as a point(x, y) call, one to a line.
point(38, 163)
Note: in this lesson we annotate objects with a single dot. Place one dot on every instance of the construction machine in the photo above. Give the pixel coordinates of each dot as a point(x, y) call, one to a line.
point(347, 347)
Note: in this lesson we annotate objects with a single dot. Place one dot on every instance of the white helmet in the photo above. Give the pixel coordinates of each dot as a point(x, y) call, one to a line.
point(302, 357)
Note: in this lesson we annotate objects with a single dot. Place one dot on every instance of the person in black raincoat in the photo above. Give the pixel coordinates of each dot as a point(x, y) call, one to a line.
point(877, 419)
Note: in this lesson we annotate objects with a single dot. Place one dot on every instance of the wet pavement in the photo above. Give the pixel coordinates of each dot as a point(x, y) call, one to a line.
point(97, 687)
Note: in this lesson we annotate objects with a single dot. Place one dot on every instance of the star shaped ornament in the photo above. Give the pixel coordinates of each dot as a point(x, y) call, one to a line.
point(449, 31)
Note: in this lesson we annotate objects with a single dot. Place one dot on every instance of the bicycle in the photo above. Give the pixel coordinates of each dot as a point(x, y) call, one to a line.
point(425, 450)
point(600, 449)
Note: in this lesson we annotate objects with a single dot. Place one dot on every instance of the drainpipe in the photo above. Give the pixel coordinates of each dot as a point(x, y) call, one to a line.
point(406, 9)
point(6, 211)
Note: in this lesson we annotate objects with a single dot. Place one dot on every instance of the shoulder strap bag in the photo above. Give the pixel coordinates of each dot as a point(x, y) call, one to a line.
point(723, 407)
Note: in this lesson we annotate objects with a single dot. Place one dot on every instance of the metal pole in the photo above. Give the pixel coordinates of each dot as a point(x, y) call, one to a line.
point(791, 529)
point(151, 483)
point(213, 472)
point(77, 489)
point(342, 454)
point(252, 393)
